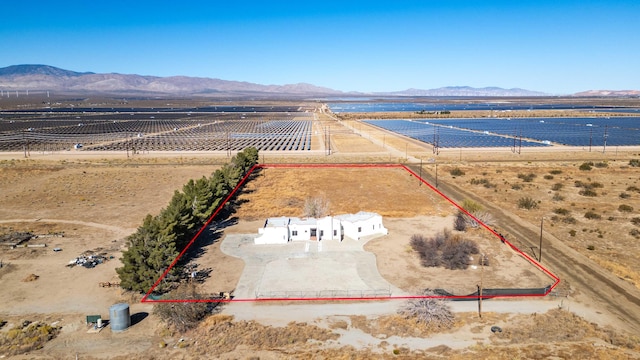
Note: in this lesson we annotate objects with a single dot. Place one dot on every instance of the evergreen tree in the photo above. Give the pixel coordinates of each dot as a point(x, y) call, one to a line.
point(155, 245)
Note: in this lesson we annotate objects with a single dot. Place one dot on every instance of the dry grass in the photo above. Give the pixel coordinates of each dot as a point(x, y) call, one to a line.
point(282, 192)
point(26, 337)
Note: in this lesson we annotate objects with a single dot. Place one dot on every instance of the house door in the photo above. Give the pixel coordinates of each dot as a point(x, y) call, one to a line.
point(314, 234)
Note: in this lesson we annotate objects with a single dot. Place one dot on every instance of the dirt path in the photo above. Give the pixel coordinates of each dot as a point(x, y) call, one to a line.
point(596, 285)
point(119, 231)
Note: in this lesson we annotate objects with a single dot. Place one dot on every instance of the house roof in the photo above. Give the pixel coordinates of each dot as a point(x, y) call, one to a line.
point(277, 221)
point(361, 216)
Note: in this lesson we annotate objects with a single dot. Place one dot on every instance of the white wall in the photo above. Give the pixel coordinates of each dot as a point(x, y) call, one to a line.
point(272, 235)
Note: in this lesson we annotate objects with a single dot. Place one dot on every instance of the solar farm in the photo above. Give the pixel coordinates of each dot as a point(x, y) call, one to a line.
point(525, 132)
point(167, 130)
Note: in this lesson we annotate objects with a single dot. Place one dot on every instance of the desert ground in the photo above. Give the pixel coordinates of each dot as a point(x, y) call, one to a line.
point(88, 203)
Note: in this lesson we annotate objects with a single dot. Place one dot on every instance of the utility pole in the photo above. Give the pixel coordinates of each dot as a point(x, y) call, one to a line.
point(540, 247)
point(480, 286)
point(420, 172)
point(436, 174)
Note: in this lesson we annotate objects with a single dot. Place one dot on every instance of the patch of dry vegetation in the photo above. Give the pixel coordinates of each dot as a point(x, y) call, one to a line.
point(219, 334)
point(26, 337)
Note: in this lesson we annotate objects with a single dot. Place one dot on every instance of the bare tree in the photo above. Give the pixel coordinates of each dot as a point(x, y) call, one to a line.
point(431, 311)
point(316, 207)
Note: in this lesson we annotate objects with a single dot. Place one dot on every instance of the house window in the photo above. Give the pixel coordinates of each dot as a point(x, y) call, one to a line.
point(294, 233)
point(359, 229)
point(321, 232)
point(373, 227)
point(335, 232)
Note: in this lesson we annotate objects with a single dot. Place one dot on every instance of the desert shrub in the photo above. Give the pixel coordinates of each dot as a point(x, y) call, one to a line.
point(601, 164)
point(433, 312)
point(634, 162)
point(591, 247)
point(572, 233)
point(592, 215)
point(527, 203)
point(561, 211)
point(26, 337)
point(444, 249)
point(555, 172)
point(471, 206)
point(456, 172)
point(484, 182)
point(548, 177)
point(569, 220)
point(579, 184)
point(588, 192)
point(635, 233)
point(595, 185)
point(557, 186)
point(557, 197)
point(527, 177)
point(635, 221)
point(184, 315)
point(586, 166)
point(624, 195)
point(516, 187)
point(625, 208)
point(633, 188)
point(316, 207)
point(462, 220)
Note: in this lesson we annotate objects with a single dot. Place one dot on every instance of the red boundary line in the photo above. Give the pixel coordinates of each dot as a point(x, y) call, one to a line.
point(145, 298)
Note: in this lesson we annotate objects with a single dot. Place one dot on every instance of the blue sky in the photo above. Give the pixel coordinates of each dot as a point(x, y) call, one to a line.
point(559, 47)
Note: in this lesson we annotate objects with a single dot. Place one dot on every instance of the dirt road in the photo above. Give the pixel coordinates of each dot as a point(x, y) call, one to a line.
point(588, 280)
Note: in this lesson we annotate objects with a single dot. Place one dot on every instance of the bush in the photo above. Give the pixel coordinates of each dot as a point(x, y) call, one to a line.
point(572, 233)
point(635, 221)
point(569, 220)
point(561, 211)
point(456, 172)
point(433, 312)
point(625, 208)
point(633, 188)
point(624, 195)
point(527, 203)
point(548, 177)
point(316, 207)
point(592, 215)
point(635, 233)
point(588, 192)
point(634, 162)
point(183, 316)
point(557, 186)
point(527, 177)
point(557, 197)
point(516, 187)
point(591, 247)
point(444, 249)
point(586, 166)
point(601, 164)
point(555, 172)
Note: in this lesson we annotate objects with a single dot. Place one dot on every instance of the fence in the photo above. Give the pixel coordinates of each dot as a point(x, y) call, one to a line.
point(324, 294)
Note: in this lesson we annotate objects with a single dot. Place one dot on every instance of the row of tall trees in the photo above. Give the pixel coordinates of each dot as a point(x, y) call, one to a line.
point(154, 246)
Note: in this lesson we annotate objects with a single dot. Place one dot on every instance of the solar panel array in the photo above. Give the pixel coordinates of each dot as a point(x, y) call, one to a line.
point(156, 132)
point(356, 107)
point(615, 131)
point(449, 136)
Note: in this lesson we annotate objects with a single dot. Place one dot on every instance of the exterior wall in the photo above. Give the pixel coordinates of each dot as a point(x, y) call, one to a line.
point(329, 229)
point(367, 227)
point(302, 231)
point(272, 235)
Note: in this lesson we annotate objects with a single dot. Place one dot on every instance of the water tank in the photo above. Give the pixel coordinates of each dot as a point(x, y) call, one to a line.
point(119, 318)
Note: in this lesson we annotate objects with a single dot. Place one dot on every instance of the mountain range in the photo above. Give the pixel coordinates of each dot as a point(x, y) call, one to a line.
point(50, 78)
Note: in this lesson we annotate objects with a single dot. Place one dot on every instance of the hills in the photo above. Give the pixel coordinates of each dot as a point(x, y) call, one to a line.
point(50, 78)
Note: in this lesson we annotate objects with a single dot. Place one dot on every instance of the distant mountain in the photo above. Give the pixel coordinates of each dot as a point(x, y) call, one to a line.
point(467, 91)
point(612, 93)
point(29, 70)
point(44, 77)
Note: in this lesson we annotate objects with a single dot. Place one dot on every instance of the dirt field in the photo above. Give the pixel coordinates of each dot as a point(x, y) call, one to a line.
point(96, 200)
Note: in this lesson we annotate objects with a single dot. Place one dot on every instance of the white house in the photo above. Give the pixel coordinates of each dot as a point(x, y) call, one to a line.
point(283, 229)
